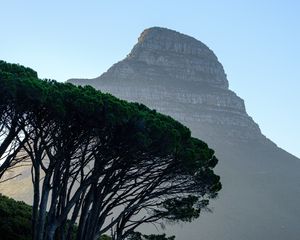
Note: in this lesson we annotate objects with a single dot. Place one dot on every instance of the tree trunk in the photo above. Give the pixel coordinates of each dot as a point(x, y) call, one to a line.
point(36, 200)
point(43, 209)
point(50, 232)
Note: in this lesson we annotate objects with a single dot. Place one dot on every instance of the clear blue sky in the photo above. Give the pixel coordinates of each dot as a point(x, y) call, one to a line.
point(258, 43)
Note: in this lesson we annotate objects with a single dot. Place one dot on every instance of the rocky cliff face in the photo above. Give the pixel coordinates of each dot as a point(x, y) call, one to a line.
point(170, 71)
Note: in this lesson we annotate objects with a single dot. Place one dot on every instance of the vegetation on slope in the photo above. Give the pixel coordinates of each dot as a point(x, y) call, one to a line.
point(15, 219)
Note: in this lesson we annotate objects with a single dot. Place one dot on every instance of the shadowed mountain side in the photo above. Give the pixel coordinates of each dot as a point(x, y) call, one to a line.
point(180, 76)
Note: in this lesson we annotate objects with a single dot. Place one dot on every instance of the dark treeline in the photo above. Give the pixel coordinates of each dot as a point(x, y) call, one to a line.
point(15, 220)
point(99, 163)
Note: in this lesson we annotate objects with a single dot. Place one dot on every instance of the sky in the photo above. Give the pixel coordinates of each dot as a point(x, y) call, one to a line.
point(256, 41)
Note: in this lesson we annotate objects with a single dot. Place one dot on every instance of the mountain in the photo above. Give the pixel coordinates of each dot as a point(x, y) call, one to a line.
point(181, 77)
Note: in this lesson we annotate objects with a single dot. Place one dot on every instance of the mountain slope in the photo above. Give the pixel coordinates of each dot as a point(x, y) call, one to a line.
point(180, 76)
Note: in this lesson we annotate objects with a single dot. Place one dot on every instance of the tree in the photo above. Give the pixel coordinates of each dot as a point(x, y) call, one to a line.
point(110, 164)
point(11, 115)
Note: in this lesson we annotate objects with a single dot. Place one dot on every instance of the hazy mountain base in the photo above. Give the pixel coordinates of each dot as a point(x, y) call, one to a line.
point(257, 201)
point(19, 187)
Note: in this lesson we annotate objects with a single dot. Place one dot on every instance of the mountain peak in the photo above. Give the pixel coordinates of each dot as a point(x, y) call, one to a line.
point(161, 33)
point(183, 58)
point(168, 70)
point(164, 39)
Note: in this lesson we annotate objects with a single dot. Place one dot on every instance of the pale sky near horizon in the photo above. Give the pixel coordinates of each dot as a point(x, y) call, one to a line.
point(257, 42)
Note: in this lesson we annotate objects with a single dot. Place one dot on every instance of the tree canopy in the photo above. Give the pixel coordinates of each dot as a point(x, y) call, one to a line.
point(109, 164)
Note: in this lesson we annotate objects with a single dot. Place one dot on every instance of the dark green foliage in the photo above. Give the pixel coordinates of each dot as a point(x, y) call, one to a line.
point(105, 237)
point(15, 219)
point(97, 153)
point(158, 237)
point(17, 70)
point(139, 236)
point(184, 209)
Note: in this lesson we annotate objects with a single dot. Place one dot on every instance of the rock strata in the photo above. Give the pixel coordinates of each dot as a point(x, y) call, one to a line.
point(170, 71)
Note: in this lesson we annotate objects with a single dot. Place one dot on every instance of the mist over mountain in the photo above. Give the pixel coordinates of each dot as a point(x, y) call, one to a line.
point(181, 77)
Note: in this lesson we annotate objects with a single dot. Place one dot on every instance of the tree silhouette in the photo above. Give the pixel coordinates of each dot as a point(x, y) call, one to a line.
point(109, 164)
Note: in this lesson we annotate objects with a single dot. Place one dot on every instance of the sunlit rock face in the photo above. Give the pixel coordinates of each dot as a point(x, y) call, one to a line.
point(170, 71)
